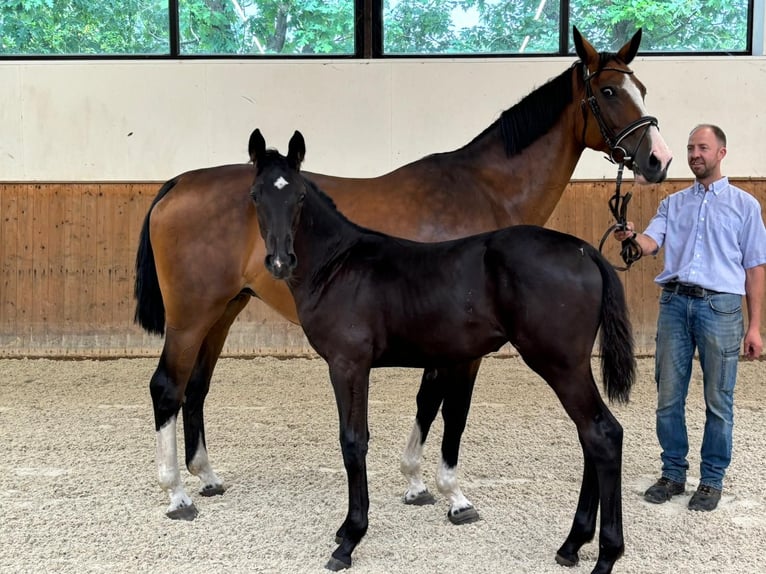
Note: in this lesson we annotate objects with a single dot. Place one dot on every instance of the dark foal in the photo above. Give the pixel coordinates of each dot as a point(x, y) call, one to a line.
point(369, 300)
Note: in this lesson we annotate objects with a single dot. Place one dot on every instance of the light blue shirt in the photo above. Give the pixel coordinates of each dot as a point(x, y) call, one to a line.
point(710, 238)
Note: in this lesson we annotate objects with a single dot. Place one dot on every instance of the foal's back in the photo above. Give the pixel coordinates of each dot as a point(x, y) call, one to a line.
point(431, 304)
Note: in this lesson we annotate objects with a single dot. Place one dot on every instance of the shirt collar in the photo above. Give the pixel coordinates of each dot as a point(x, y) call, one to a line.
point(716, 187)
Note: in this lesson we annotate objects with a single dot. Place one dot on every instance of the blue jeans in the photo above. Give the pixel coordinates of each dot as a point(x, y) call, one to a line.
point(714, 326)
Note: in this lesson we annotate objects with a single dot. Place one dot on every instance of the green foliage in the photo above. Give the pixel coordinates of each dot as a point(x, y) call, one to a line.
point(326, 27)
point(58, 27)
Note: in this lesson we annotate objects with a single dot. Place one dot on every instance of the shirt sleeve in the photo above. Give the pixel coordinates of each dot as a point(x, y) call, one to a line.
point(753, 240)
point(658, 225)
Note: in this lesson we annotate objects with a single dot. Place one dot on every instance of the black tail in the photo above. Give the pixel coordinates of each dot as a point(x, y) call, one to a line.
point(150, 310)
point(618, 360)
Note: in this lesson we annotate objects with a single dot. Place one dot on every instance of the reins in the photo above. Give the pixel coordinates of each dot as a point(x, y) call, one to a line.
point(618, 204)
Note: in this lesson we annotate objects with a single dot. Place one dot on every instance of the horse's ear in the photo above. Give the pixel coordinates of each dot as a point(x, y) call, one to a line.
point(296, 150)
point(629, 50)
point(585, 51)
point(256, 147)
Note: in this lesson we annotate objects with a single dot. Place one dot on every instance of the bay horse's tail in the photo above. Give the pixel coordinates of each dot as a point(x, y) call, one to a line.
point(618, 361)
point(150, 309)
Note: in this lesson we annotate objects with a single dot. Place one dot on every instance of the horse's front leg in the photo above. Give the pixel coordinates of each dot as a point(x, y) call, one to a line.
point(458, 383)
point(351, 386)
point(166, 402)
point(429, 399)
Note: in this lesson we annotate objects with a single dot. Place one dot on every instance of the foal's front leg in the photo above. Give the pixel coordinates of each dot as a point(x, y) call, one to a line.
point(351, 386)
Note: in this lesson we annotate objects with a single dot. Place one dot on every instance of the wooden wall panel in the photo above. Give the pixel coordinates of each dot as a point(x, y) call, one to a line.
point(67, 255)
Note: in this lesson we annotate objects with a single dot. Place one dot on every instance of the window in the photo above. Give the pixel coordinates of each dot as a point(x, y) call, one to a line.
point(367, 28)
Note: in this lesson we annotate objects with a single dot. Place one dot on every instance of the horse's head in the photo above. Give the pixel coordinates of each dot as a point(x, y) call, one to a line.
point(278, 192)
point(613, 113)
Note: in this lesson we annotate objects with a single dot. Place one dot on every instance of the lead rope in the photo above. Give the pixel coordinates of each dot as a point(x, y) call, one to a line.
point(618, 205)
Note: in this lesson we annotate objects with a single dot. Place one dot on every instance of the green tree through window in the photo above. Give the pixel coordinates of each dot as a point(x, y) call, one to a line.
point(329, 27)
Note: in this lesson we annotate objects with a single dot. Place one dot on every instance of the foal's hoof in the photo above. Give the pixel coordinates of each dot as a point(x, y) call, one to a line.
point(336, 565)
point(183, 513)
point(463, 515)
point(570, 561)
point(423, 498)
point(212, 489)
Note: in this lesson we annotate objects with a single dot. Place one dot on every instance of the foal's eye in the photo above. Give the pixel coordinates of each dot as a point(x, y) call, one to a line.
point(608, 92)
point(301, 197)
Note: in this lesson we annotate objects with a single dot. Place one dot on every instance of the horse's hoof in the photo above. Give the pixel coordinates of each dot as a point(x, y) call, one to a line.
point(336, 565)
point(463, 515)
point(183, 513)
point(212, 489)
point(423, 498)
point(567, 561)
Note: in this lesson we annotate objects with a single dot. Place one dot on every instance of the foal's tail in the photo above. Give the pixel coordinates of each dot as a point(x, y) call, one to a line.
point(150, 309)
point(618, 361)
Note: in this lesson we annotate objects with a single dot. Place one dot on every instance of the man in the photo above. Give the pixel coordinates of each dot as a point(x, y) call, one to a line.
point(715, 249)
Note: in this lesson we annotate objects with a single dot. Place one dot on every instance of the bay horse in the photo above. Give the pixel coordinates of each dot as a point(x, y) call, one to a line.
point(200, 255)
point(367, 300)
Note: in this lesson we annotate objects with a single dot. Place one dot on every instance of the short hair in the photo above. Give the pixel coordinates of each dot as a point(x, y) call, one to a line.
point(718, 132)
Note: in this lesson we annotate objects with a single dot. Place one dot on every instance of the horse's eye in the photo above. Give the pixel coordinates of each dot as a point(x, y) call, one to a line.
point(302, 197)
point(608, 92)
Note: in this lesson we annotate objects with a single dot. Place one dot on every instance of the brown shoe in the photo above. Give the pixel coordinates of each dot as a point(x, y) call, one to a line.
point(705, 499)
point(663, 490)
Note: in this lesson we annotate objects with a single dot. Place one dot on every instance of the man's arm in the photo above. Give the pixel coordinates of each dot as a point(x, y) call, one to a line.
point(647, 244)
point(755, 279)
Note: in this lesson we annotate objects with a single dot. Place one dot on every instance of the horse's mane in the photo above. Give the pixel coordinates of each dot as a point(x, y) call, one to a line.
point(537, 112)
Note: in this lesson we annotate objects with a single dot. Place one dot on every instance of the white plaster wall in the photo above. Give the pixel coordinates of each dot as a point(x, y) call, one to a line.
point(149, 120)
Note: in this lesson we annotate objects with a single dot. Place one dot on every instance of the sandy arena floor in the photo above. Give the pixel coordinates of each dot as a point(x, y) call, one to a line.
point(79, 492)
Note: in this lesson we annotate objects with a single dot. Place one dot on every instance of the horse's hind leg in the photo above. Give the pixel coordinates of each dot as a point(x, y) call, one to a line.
point(458, 385)
point(167, 387)
point(197, 460)
point(429, 399)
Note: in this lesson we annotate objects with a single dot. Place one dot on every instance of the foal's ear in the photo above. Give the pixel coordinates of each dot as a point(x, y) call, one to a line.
point(585, 51)
point(296, 150)
point(628, 51)
point(256, 147)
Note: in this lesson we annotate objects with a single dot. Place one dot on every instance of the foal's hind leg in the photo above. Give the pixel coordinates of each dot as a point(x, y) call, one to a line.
point(196, 391)
point(601, 438)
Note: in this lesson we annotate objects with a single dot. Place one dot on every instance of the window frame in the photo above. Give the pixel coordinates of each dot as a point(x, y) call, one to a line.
point(368, 31)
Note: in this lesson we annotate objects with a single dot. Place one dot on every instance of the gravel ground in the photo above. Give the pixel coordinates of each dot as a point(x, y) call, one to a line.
point(79, 492)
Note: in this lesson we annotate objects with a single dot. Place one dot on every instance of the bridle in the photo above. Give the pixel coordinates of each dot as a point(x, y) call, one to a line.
point(618, 154)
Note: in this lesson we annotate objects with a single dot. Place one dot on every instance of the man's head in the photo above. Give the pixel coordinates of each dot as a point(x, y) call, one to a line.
point(704, 152)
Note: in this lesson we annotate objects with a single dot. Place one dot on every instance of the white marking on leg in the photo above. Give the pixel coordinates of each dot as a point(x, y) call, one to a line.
point(167, 466)
point(446, 481)
point(200, 467)
point(410, 466)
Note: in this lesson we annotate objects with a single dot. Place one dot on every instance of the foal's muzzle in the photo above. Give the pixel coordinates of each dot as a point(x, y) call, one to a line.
point(281, 267)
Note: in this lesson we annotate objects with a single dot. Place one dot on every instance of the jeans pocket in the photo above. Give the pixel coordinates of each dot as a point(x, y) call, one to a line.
point(729, 364)
point(725, 304)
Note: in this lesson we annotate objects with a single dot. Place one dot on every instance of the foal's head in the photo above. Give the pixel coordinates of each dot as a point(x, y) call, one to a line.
point(278, 191)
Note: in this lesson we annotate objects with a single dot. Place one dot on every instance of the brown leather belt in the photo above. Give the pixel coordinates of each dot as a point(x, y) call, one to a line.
point(688, 290)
